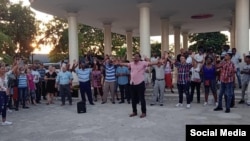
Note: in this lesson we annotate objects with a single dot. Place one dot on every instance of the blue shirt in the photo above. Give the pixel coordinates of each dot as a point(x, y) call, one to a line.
point(22, 81)
point(42, 73)
point(122, 80)
point(64, 77)
point(83, 74)
point(110, 73)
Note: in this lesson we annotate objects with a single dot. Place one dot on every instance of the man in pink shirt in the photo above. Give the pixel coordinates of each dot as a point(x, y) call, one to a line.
point(137, 83)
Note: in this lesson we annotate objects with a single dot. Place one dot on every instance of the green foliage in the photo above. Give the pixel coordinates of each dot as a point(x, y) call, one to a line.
point(90, 40)
point(156, 48)
point(18, 23)
point(6, 44)
point(213, 40)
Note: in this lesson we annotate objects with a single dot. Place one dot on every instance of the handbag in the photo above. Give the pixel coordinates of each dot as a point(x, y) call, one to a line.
point(206, 83)
point(197, 80)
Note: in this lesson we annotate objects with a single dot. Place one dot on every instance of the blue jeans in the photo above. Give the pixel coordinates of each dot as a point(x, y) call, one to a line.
point(238, 76)
point(3, 104)
point(22, 96)
point(227, 90)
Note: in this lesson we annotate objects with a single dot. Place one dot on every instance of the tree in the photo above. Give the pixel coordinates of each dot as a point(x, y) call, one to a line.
point(211, 40)
point(156, 48)
point(18, 23)
point(90, 40)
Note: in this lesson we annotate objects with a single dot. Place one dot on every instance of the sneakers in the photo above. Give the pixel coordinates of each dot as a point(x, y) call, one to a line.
point(6, 123)
point(188, 106)
point(205, 104)
point(10, 111)
point(216, 104)
point(179, 105)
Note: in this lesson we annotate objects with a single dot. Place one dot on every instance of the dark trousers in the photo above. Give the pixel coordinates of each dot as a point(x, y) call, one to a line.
point(197, 86)
point(22, 96)
point(85, 87)
point(153, 76)
point(138, 93)
point(98, 91)
point(3, 104)
point(38, 92)
point(65, 91)
point(124, 92)
point(184, 88)
point(10, 103)
point(41, 89)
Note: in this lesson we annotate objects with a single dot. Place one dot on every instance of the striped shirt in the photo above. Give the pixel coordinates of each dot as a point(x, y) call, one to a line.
point(22, 81)
point(42, 73)
point(110, 73)
point(183, 72)
point(83, 74)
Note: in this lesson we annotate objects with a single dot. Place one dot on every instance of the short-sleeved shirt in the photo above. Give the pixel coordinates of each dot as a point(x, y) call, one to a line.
point(122, 80)
point(199, 57)
point(209, 73)
point(137, 71)
point(31, 83)
point(227, 72)
point(110, 73)
point(51, 75)
point(42, 73)
point(159, 72)
point(235, 59)
point(64, 78)
point(97, 78)
point(245, 78)
point(84, 74)
point(36, 75)
point(183, 72)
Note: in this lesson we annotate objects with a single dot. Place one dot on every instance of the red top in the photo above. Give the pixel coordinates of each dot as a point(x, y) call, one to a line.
point(227, 72)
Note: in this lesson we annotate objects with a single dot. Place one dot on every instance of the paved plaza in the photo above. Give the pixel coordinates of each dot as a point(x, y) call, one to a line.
point(111, 122)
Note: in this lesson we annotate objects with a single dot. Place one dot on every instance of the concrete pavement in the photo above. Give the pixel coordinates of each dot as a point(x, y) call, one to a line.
point(111, 122)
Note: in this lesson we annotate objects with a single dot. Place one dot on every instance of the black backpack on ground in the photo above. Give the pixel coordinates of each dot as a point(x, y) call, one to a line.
point(81, 107)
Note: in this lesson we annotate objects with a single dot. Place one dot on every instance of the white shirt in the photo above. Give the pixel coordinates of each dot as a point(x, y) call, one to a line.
point(189, 60)
point(3, 83)
point(199, 58)
point(235, 60)
point(36, 75)
point(195, 73)
point(153, 59)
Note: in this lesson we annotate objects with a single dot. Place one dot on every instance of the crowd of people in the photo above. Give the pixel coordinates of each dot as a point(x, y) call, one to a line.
point(22, 84)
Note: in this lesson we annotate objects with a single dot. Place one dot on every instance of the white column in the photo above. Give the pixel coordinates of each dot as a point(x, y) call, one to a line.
point(177, 44)
point(129, 40)
point(73, 38)
point(145, 48)
point(242, 26)
point(185, 40)
point(107, 39)
point(232, 32)
point(164, 35)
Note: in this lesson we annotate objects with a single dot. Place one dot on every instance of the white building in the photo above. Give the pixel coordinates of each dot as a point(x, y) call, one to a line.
point(145, 18)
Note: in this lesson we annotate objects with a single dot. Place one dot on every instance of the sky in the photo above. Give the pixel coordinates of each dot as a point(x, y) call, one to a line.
point(46, 18)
